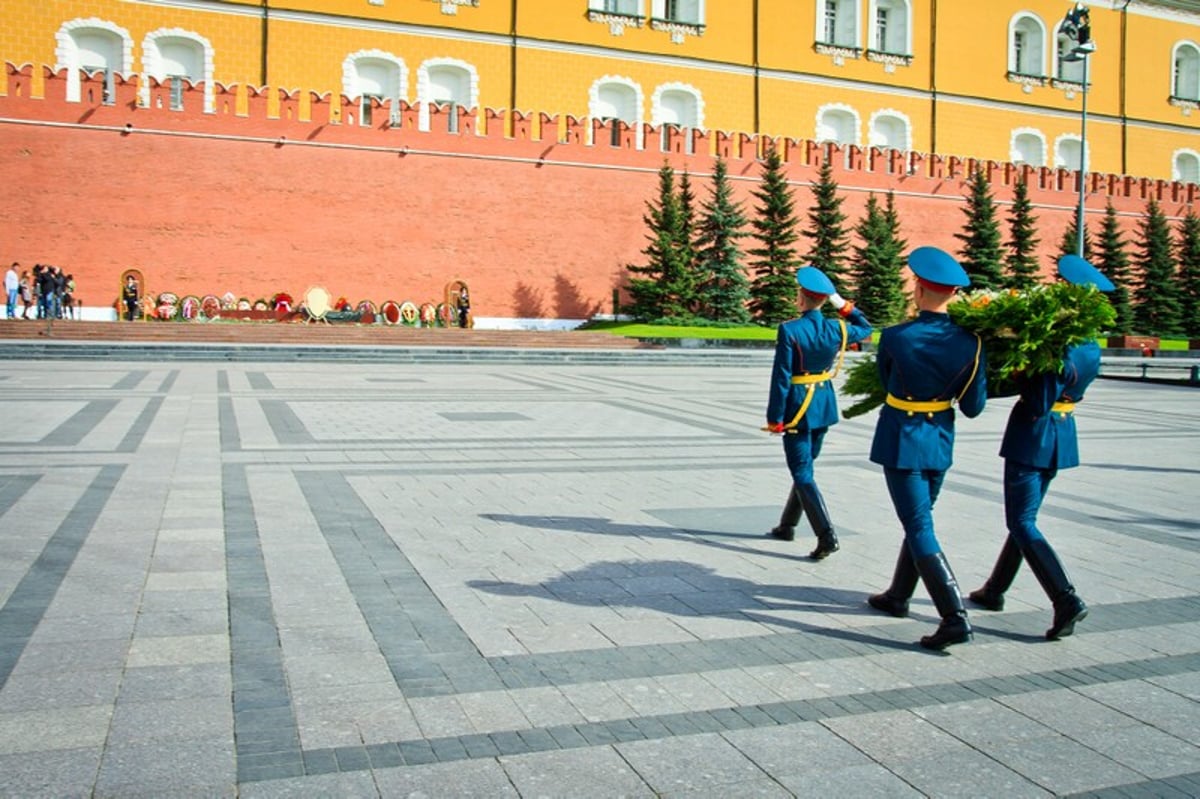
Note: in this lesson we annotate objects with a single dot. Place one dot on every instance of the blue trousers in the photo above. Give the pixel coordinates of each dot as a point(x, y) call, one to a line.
point(913, 496)
point(801, 449)
point(1024, 489)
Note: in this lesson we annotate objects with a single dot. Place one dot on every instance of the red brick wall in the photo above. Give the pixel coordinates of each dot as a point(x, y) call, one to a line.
point(210, 203)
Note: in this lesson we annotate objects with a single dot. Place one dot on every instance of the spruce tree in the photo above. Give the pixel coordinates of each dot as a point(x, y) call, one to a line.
point(1113, 260)
point(1021, 261)
point(652, 287)
point(723, 291)
point(689, 281)
point(981, 253)
point(1188, 251)
point(1069, 245)
point(826, 228)
point(878, 262)
point(773, 287)
point(1156, 302)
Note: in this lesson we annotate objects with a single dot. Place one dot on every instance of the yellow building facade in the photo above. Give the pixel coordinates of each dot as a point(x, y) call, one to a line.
point(983, 80)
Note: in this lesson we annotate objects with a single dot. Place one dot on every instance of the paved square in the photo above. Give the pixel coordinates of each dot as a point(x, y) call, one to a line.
point(522, 579)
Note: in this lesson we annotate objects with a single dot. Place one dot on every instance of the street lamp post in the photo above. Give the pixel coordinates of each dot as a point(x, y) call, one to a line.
point(1075, 32)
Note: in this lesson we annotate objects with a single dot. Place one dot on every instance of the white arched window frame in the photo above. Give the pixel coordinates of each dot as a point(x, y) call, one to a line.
point(70, 56)
point(890, 130)
point(431, 89)
point(613, 97)
point(890, 26)
point(157, 62)
point(1067, 152)
point(838, 122)
point(837, 23)
point(1067, 71)
point(676, 104)
point(1028, 146)
point(1185, 166)
point(1027, 45)
point(375, 73)
point(1185, 71)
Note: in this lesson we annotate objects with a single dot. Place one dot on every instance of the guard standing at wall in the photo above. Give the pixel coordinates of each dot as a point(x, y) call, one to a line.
point(926, 365)
point(802, 402)
point(463, 303)
point(1039, 440)
point(130, 294)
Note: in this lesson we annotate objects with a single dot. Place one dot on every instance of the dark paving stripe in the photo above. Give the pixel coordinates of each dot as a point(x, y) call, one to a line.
point(137, 431)
point(426, 650)
point(641, 728)
point(259, 381)
point(168, 382)
point(27, 604)
point(231, 437)
point(222, 382)
point(82, 422)
point(285, 424)
point(266, 736)
point(13, 487)
point(131, 380)
point(1181, 786)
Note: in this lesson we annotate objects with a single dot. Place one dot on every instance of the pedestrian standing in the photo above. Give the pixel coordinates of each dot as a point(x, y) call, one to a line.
point(1040, 439)
point(26, 294)
point(802, 404)
point(12, 285)
point(927, 365)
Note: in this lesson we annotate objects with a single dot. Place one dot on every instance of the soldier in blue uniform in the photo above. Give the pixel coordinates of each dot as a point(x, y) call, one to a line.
point(1039, 440)
point(926, 365)
point(802, 403)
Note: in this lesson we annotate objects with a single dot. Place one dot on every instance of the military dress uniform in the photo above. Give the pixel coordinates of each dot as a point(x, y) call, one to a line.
point(1039, 440)
point(926, 365)
point(803, 403)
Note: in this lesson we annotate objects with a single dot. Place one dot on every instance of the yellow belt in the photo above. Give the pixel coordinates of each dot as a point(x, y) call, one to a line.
point(1063, 407)
point(918, 406)
point(812, 381)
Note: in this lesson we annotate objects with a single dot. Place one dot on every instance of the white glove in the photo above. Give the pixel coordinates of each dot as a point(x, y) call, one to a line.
point(837, 301)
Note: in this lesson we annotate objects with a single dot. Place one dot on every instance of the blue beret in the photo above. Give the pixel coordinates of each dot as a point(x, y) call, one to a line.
point(813, 280)
point(937, 266)
point(1074, 269)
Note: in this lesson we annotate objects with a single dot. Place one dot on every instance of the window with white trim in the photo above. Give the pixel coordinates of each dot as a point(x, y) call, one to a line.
point(1068, 154)
point(1028, 147)
point(1185, 72)
point(449, 83)
point(889, 131)
point(1186, 166)
point(611, 100)
point(1069, 66)
point(890, 27)
point(631, 8)
point(688, 12)
point(837, 124)
point(1027, 46)
point(837, 23)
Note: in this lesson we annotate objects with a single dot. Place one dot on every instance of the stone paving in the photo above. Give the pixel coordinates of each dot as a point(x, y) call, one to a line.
point(271, 580)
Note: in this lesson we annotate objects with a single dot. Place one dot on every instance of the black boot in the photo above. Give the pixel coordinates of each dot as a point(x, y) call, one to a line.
point(1068, 608)
point(818, 517)
point(894, 601)
point(786, 529)
point(943, 590)
point(991, 595)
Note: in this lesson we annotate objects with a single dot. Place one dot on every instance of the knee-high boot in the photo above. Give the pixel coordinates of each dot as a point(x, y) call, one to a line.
point(943, 590)
point(1068, 608)
point(894, 600)
point(789, 518)
point(818, 517)
point(991, 595)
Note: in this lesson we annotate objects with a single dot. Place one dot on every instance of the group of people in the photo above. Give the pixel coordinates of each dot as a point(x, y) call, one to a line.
point(927, 366)
point(48, 290)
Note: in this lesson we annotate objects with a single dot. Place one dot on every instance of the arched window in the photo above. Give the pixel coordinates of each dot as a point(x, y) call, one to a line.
point(890, 26)
point(1069, 66)
point(837, 22)
point(1026, 45)
point(178, 54)
point(374, 75)
point(1186, 167)
point(93, 46)
point(837, 123)
point(447, 82)
point(678, 105)
point(1068, 153)
point(1185, 79)
point(1028, 147)
point(612, 98)
point(890, 130)
point(689, 12)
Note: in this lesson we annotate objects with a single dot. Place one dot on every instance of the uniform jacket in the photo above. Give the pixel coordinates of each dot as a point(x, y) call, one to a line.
point(928, 358)
point(1035, 435)
point(809, 345)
